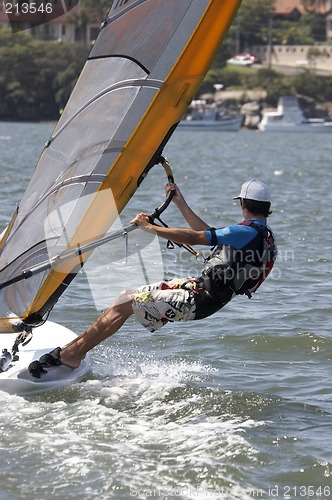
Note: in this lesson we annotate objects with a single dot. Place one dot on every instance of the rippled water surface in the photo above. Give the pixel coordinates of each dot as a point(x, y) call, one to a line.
point(236, 406)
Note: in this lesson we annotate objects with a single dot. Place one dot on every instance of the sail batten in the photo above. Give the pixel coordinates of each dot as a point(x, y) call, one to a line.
point(143, 71)
point(119, 56)
point(125, 84)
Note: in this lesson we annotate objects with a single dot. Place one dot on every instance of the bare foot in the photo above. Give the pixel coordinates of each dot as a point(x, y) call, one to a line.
point(69, 360)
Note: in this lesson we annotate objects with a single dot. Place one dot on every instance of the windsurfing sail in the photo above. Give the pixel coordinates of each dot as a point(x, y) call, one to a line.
point(142, 73)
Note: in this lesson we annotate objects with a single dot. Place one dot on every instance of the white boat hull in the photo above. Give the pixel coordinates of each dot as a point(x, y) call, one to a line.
point(302, 127)
point(17, 380)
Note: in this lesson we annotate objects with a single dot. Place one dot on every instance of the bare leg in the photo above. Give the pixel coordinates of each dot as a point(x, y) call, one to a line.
point(105, 326)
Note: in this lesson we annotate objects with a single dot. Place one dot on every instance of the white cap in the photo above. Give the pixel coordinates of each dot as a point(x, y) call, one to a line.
point(254, 190)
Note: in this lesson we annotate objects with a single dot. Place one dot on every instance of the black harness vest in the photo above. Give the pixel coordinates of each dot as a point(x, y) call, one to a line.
point(229, 272)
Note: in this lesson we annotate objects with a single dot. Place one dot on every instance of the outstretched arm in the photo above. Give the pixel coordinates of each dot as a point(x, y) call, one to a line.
point(193, 220)
point(184, 236)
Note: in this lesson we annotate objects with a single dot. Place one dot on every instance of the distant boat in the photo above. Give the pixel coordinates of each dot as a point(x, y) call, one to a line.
point(289, 117)
point(210, 118)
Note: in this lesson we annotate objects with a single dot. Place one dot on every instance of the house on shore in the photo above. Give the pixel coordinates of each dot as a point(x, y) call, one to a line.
point(315, 57)
point(52, 21)
point(292, 10)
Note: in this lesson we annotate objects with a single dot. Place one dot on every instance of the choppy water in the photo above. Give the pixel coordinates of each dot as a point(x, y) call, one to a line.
point(236, 406)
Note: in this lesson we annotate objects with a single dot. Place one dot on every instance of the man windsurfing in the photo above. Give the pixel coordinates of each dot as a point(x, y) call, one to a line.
point(243, 257)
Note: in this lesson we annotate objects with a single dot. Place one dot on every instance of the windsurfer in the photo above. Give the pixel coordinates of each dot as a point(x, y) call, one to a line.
point(243, 258)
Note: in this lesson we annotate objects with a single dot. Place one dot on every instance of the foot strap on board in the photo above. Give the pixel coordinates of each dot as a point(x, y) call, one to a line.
point(46, 361)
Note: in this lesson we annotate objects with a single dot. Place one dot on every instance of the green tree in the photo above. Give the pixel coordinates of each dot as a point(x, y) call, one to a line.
point(278, 88)
point(97, 7)
point(292, 33)
point(315, 86)
point(80, 19)
point(310, 27)
point(251, 23)
point(36, 77)
point(18, 67)
point(314, 25)
point(250, 27)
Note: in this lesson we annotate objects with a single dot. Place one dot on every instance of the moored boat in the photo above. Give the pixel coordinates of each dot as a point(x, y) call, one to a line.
point(289, 117)
point(211, 118)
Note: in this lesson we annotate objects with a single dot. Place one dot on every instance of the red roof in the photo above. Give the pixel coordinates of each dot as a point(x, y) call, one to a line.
point(286, 7)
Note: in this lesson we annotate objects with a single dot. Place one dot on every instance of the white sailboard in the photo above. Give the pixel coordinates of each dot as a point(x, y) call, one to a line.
point(144, 69)
point(16, 379)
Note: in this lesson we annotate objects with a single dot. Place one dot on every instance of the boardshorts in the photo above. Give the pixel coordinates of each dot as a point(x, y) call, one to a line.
point(170, 300)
